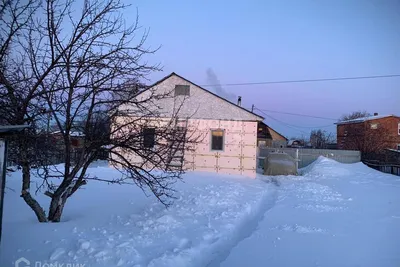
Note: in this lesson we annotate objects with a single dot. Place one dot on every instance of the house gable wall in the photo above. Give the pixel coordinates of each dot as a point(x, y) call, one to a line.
point(199, 105)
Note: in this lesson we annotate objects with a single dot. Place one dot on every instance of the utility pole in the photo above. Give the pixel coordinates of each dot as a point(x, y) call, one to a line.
point(252, 108)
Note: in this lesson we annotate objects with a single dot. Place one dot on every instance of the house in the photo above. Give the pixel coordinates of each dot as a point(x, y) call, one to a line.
point(370, 135)
point(268, 137)
point(77, 139)
point(331, 146)
point(294, 143)
point(229, 131)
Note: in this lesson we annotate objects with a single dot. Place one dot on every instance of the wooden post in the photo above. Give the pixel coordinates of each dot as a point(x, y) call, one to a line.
point(4, 131)
point(3, 166)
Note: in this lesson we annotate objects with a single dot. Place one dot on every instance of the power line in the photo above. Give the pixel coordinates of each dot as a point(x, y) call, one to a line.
point(295, 127)
point(307, 80)
point(296, 114)
point(285, 124)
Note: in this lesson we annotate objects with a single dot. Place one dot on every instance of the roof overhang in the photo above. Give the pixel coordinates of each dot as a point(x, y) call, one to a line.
point(10, 129)
point(364, 119)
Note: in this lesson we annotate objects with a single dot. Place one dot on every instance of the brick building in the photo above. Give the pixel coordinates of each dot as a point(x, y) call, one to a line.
point(370, 135)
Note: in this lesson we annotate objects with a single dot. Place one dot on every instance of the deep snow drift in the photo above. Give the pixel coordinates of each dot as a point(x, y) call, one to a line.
point(333, 215)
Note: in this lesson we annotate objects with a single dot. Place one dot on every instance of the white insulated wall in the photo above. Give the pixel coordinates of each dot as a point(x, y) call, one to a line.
point(239, 153)
point(199, 105)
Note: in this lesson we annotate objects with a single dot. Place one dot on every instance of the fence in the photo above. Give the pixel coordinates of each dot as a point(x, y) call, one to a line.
point(59, 157)
point(307, 156)
point(386, 168)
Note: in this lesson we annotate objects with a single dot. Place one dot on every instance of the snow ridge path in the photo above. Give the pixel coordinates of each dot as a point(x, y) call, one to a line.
point(245, 230)
point(234, 217)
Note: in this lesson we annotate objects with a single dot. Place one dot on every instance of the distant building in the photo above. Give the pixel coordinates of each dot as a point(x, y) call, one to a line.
point(370, 135)
point(295, 143)
point(331, 146)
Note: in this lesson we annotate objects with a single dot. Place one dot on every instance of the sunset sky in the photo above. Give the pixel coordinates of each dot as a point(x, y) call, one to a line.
point(261, 41)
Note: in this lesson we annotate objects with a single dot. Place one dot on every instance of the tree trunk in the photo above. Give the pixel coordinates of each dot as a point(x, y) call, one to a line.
point(56, 209)
point(57, 205)
point(26, 195)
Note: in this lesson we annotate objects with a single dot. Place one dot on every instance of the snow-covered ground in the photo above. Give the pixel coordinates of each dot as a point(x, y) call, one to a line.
point(332, 215)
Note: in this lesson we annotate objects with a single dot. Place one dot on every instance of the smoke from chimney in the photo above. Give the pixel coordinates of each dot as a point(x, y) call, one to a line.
point(212, 79)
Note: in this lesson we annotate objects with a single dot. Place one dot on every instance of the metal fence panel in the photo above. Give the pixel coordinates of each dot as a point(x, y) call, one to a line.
point(307, 156)
point(386, 168)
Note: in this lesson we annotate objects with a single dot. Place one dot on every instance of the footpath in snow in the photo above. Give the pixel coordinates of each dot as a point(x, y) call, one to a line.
point(334, 215)
point(114, 225)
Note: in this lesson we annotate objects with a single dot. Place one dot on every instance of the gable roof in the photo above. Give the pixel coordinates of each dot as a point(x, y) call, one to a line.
point(270, 129)
point(174, 74)
point(364, 119)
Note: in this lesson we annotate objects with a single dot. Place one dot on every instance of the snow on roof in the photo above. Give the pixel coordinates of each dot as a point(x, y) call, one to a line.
point(290, 142)
point(365, 119)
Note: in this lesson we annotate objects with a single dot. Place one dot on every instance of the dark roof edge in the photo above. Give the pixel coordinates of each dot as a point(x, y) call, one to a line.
point(269, 127)
point(278, 133)
point(12, 128)
point(361, 120)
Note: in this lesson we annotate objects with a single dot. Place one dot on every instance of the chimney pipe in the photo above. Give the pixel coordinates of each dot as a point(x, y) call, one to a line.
point(375, 114)
point(239, 102)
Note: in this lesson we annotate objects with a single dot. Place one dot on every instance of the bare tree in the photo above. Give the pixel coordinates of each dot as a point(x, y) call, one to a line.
point(320, 139)
point(354, 115)
point(80, 69)
point(370, 142)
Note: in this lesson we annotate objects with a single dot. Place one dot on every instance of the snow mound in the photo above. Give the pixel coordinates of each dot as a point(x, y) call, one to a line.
point(325, 167)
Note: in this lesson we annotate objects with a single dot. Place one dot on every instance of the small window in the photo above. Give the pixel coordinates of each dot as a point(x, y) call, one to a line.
point(182, 90)
point(398, 147)
point(217, 140)
point(149, 135)
point(374, 126)
point(398, 128)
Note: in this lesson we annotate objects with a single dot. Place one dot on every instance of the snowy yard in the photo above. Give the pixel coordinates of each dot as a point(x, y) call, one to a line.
point(332, 215)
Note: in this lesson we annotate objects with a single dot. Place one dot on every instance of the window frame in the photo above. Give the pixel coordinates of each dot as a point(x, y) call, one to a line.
point(398, 128)
point(211, 140)
point(182, 86)
point(374, 126)
point(144, 137)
